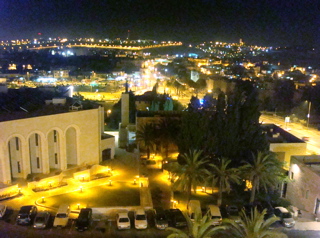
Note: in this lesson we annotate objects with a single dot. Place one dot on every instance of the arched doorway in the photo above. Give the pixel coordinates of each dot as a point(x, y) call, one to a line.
point(54, 149)
point(35, 153)
point(71, 146)
point(15, 157)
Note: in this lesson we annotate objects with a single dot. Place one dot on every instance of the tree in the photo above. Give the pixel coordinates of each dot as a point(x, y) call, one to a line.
point(265, 171)
point(283, 95)
point(223, 176)
point(191, 173)
point(200, 228)
point(253, 226)
point(146, 137)
point(168, 131)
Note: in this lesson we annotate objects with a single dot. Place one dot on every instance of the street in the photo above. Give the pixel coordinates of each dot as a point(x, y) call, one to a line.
point(298, 130)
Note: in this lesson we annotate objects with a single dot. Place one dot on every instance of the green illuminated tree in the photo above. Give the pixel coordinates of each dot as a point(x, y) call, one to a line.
point(146, 137)
point(265, 171)
point(223, 176)
point(191, 173)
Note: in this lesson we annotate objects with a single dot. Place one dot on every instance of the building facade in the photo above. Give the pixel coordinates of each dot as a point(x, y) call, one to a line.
point(59, 141)
point(304, 188)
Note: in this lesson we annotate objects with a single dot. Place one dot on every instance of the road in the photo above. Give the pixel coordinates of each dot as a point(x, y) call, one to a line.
point(298, 130)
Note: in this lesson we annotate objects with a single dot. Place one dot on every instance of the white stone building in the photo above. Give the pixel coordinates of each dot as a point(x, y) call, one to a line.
point(40, 144)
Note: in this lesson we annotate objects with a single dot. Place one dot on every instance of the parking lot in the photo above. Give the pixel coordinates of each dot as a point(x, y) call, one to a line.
point(106, 227)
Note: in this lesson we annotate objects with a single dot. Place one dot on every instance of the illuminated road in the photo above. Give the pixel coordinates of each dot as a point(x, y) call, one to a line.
point(60, 45)
point(298, 130)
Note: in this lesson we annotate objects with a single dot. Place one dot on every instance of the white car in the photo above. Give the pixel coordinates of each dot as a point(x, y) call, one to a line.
point(215, 215)
point(3, 209)
point(285, 216)
point(140, 219)
point(62, 217)
point(123, 221)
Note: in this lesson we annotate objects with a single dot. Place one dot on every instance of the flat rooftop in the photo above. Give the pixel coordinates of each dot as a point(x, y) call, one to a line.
point(276, 134)
point(44, 110)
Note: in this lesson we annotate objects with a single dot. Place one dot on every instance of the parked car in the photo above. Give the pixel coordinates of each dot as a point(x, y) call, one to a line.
point(3, 209)
point(123, 221)
point(193, 208)
point(62, 217)
point(41, 220)
point(84, 219)
point(233, 213)
point(285, 216)
point(140, 219)
point(160, 219)
point(176, 218)
point(214, 214)
point(26, 215)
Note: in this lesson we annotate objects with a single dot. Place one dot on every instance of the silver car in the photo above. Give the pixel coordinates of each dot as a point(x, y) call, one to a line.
point(41, 220)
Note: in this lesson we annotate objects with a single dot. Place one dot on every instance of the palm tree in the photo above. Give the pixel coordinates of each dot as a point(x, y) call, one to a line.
point(146, 137)
point(168, 131)
point(224, 176)
point(253, 227)
point(265, 171)
point(191, 173)
point(201, 227)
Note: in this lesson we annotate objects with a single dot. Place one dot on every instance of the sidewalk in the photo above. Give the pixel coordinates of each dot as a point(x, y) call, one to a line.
point(306, 222)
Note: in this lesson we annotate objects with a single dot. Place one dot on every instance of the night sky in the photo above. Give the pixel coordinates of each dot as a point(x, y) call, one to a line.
point(261, 22)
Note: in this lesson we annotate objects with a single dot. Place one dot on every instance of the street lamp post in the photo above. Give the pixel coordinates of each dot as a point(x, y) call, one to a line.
point(308, 115)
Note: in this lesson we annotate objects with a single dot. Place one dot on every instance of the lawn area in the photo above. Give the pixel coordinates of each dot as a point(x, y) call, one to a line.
point(119, 194)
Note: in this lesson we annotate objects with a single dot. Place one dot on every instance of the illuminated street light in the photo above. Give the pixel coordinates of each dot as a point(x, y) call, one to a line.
point(308, 116)
point(81, 189)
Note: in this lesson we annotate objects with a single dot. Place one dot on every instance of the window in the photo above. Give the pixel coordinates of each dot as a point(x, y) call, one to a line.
point(38, 162)
point(307, 194)
point(19, 169)
point(55, 158)
point(37, 140)
point(291, 175)
point(17, 143)
point(54, 136)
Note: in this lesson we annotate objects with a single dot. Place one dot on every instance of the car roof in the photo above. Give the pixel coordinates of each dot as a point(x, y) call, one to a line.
point(26, 208)
point(42, 213)
point(213, 207)
point(123, 214)
point(282, 209)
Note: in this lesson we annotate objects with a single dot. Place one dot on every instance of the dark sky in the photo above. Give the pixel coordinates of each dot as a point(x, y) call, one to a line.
point(262, 22)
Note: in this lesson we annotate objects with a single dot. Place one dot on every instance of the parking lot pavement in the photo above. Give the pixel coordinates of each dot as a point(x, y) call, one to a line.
point(103, 228)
